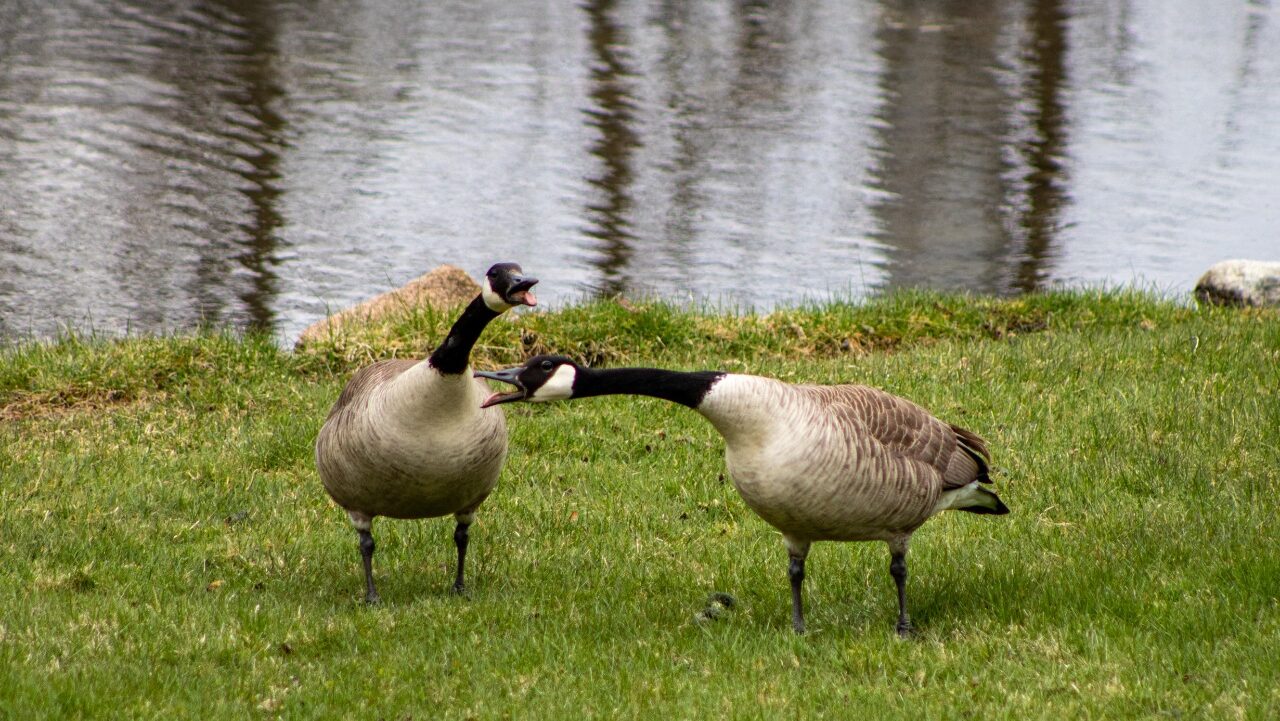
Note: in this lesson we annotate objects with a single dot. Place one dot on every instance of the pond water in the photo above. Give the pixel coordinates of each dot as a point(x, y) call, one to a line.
point(258, 162)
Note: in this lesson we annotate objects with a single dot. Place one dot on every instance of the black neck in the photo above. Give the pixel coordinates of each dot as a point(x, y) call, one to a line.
point(687, 388)
point(454, 353)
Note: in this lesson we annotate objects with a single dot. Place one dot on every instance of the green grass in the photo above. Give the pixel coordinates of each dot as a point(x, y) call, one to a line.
point(167, 550)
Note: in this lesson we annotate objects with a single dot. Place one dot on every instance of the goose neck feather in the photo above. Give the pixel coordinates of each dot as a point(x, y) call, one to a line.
point(453, 355)
point(687, 388)
point(744, 408)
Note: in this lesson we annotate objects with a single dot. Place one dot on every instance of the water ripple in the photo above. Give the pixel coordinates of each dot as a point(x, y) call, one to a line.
point(260, 163)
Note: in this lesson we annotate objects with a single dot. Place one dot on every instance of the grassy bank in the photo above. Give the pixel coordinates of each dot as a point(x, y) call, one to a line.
point(166, 549)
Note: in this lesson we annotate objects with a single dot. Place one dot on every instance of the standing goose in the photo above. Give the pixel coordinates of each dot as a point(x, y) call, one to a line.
point(820, 463)
point(409, 439)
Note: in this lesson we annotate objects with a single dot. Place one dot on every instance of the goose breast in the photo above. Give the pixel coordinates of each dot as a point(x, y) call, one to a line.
point(378, 458)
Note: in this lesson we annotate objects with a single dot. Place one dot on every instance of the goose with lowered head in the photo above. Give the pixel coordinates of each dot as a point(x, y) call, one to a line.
point(819, 463)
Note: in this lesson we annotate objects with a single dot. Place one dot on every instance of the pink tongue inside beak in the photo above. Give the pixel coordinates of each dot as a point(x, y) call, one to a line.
point(527, 298)
point(490, 400)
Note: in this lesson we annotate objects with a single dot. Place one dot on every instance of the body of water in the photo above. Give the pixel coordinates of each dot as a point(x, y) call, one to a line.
point(260, 162)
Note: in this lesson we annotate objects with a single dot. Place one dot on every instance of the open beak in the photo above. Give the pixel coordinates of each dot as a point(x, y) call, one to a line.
point(520, 293)
point(510, 375)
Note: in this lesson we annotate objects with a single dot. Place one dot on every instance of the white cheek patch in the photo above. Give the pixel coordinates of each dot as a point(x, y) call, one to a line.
point(558, 387)
point(492, 299)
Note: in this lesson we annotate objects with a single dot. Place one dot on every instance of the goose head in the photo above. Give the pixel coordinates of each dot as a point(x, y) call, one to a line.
point(541, 378)
point(505, 287)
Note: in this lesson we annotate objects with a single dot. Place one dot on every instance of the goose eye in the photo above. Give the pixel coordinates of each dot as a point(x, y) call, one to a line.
point(546, 366)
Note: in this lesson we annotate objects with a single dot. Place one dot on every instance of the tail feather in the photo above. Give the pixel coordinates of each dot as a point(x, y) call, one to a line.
point(976, 448)
point(972, 498)
point(996, 507)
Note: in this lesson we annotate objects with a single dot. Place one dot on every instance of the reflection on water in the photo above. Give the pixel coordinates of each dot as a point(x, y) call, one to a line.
point(138, 155)
point(260, 96)
point(610, 115)
point(948, 142)
point(973, 134)
point(1045, 179)
point(164, 164)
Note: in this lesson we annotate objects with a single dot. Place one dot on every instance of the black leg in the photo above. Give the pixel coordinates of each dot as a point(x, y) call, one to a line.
point(796, 572)
point(898, 569)
point(460, 539)
point(366, 553)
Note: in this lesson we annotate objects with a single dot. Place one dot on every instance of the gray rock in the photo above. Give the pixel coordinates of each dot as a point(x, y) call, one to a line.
point(1241, 282)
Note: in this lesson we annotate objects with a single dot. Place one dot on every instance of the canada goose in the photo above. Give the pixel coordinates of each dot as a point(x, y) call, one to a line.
point(409, 438)
point(820, 463)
